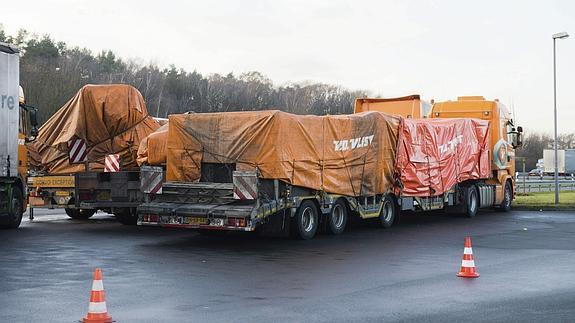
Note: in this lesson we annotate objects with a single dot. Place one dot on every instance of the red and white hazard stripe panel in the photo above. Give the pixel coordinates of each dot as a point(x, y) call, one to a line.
point(245, 186)
point(77, 150)
point(112, 163)
point(152, 179)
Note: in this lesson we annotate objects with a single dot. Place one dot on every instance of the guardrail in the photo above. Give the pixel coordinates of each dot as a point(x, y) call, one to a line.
point(531, 187)
point(520, 177)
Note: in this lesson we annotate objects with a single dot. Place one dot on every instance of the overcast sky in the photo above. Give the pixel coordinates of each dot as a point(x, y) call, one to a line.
point(439, 49)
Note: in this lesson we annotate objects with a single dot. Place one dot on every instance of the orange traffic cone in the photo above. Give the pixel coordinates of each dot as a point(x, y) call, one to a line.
point(97, 310)
point(468, 264)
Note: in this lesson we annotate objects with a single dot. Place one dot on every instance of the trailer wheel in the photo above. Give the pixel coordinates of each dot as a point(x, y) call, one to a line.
point(126, 216)
point(80, 214)
point(18, 208)
point(305, 222)
point(471, 205)
point(337, 218)
point(507, 196)
point(388, 212)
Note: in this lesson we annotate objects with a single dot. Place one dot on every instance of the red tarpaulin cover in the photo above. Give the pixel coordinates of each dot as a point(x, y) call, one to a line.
point(435, 154)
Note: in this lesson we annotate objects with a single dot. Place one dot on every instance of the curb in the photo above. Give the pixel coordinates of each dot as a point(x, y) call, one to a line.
point(543, 208)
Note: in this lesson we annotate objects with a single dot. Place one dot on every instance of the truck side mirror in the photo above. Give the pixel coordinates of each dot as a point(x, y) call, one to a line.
point(34, 132)
point(519, 142)
point(33, 118)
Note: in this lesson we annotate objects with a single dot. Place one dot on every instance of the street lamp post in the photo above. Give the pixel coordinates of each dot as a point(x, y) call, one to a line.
point(555, 37)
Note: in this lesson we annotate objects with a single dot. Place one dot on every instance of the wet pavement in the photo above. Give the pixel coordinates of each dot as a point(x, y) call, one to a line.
point(407, 273)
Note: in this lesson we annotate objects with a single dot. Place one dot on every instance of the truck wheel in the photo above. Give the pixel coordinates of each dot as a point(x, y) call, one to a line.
point(388, 212)
point(80, 214)
point(305, 222)
point(337, 218)
point(17, 207)
point(127, 216)
point(471, 205)
point(507, 196)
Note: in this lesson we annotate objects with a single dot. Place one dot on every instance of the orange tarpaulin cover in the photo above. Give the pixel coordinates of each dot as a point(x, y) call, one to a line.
point(111, 119)
point(341, 154)
point(435, 154)
point(153, 148)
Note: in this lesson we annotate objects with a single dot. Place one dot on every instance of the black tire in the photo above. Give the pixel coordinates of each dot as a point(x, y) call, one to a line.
point(18, 209)
point(471, 201)
point(126, 216)
point(80, 214)
point(507, 198)
point(337, 218)
point(305, 221)
point(388, 212)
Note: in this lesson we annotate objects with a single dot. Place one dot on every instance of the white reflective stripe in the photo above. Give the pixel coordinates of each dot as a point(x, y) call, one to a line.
point(108, 165)
point(467, 263)
point(97, 308)
point(115, 161)
point(245, 192)
point(77, 148)
point(467, 251)
point(97, 285)
point(75, 144)
point(80, 156)
point(112, 163)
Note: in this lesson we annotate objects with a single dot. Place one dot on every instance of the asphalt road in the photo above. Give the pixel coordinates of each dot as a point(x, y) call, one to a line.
point(407, 273)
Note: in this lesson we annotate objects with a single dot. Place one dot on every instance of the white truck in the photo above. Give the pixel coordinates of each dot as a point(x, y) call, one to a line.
point(18, 126)
point(565, 162)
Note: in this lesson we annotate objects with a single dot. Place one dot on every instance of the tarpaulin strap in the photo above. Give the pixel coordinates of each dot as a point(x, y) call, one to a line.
point(396, 165)
point(349, 176)
point(120, 133)
point(429, 174)
point(457, 162)
point(293, 168)
point(429, 186)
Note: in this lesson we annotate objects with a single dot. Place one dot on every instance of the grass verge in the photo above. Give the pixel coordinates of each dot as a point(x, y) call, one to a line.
point(546, 201)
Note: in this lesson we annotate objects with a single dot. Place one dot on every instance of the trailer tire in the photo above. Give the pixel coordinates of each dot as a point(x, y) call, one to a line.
point(388, 212)
point(126, 216)
point(306, 220)
point(18, 206)
point(471, 204)
point(337, 218)
point(507, 197)
point(80, 214)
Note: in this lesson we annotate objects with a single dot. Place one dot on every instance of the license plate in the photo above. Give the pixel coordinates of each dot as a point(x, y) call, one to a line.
point(196, 221)
point(62, 193)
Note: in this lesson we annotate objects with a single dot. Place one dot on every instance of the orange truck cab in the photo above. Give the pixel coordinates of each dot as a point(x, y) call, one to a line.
point(407, 106)
point(505, 136)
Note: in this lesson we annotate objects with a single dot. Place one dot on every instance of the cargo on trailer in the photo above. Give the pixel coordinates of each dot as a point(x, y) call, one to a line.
point(93, 142)
point(341, 154)
point(153, 148)
point(273, 170)
point(98, 121)
point(436, 154)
